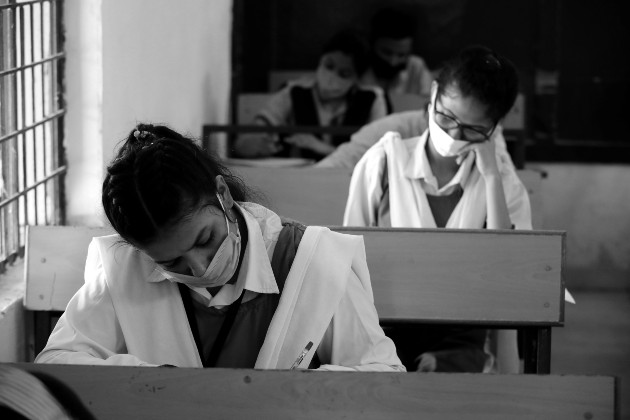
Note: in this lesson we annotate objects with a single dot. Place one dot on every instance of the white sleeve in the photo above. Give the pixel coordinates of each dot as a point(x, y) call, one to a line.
point(408, 124)
point(516, 196)
point(365, 192)
point(88, 332)
point(354, 340)
point(348, 154)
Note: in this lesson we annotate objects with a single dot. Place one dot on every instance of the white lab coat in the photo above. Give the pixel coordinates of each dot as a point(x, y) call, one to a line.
point(409, 207)
point(124, 315)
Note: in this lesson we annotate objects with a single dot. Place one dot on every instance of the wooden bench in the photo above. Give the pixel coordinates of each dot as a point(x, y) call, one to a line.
point(167, 393)
point(318, 196)
point(491, 279)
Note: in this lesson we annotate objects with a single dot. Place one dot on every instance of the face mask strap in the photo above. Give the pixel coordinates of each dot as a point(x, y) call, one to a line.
point(225, 213)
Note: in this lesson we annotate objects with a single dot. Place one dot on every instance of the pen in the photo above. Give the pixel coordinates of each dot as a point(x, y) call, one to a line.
point(301, 356)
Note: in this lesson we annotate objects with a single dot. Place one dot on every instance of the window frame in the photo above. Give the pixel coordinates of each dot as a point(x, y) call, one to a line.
point(32, 109)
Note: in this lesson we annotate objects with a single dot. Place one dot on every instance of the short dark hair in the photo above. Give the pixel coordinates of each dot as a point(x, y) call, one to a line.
point(392, 22)
point(481, 73)
point(158, 177)
point(352, 44)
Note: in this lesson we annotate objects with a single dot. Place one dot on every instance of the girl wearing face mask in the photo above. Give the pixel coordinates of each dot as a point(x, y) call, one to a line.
point(332, 97)
point(197, 275)
point(453, 176)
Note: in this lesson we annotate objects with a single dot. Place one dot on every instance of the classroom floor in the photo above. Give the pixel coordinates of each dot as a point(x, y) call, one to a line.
point(595, 340)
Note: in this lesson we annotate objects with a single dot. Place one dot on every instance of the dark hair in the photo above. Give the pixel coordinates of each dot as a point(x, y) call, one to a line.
point(481, 73)
point(352, 44)
point(393, 23)
point(158, 177)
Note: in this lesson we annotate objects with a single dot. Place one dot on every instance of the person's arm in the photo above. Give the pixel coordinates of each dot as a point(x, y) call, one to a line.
point(310, 142)
point(366, 190)
point(516, 196)
point(277, 111)
point(498, 216)
point(88, 332)
point(408, 124)
point(256, 145)
point(355, 340)
point(379, 106)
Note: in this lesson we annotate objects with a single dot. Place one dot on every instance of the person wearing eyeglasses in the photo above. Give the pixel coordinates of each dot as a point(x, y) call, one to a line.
point(452, 175)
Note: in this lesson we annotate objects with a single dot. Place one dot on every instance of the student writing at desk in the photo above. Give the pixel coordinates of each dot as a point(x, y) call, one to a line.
point(453, 176)
point(198, 276)
point(333, 98)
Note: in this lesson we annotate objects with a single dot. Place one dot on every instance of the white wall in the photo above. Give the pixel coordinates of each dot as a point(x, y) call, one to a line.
point(592, 203)
point(84, 119)
point(138, 60)
point(13, 339)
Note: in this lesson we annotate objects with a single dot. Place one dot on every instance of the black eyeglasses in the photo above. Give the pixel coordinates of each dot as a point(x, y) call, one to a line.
point(469, 133)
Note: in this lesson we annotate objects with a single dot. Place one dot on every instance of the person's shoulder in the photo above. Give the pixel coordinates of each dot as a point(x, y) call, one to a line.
point(115, 252)
point(374, 156)
point(110, 244)
point(306, 82)
point(392, 139)
point(416, 62)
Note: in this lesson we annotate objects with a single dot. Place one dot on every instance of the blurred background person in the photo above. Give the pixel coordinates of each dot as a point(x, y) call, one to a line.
point(393, 66)
point(332, 98)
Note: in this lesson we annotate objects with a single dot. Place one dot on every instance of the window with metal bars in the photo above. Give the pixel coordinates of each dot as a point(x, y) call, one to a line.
point(32, 163)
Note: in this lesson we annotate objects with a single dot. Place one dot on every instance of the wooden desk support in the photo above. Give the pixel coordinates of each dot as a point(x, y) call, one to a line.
point(176, 393)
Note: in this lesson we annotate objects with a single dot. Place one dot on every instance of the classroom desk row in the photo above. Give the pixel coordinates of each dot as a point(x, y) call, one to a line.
point(110, 392)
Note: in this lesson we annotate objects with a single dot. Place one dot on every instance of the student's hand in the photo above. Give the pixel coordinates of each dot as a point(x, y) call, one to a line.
point(257, 145)
point(427, 363)
point(310, 142)
point(485, 157)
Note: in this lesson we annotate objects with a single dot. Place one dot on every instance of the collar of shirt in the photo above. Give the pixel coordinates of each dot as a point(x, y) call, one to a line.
point(418, 167)
point(256, 275)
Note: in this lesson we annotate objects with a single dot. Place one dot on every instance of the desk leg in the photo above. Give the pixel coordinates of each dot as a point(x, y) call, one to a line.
point(43, 324)
point(42, 321)
point(537, 350)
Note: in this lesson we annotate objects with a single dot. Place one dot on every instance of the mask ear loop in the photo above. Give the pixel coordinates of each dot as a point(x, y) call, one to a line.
point(225, 213)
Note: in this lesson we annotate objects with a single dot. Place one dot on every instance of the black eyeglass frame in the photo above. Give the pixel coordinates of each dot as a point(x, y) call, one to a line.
point(461, 127)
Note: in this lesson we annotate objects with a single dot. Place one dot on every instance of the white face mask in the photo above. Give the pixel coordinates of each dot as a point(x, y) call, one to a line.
point(223, 264)
point(330, 85)
point(445, 145)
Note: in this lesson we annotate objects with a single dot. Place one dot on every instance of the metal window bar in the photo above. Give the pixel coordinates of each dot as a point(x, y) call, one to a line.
point(32, 159)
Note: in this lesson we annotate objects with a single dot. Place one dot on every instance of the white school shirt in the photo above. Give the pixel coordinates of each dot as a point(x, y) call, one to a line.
point(125, 315)
point(410, 178)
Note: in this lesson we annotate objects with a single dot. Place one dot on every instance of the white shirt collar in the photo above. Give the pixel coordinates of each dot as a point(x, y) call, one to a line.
point(418, 167)
point(256, 275)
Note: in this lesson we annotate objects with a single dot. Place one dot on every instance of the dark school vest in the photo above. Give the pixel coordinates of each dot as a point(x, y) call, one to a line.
point(359, 104)
point(252, 320)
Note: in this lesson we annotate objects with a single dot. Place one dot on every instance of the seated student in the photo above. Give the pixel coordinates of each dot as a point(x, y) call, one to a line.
point(393, 67)
point(332, 98)
point(449, 176)
point(198, 276)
